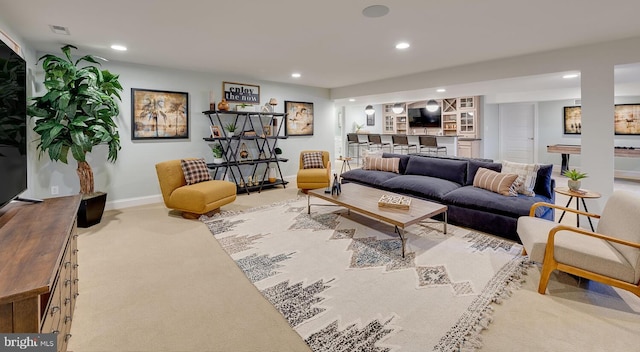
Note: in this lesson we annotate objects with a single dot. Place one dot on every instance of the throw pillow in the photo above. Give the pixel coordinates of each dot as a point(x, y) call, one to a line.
point(527, 174)
point(372, 153)
point(495, 181)
point(381, 164)
point(195, 170)
point(312, 160)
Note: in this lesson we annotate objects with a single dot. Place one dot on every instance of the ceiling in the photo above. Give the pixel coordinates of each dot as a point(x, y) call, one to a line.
point(329, 42)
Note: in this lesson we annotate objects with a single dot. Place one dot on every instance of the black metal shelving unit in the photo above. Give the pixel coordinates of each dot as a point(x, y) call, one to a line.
point(252, 129)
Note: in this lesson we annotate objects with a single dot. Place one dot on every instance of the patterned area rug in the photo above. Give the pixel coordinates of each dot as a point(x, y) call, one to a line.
point(341, 282)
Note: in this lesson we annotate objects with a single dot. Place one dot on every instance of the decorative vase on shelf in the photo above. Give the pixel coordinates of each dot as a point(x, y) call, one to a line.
point(223, 105)
point(573, 185)
point(272, 174)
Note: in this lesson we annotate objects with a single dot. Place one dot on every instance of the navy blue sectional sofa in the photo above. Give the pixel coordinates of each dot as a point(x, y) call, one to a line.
point(450, 181)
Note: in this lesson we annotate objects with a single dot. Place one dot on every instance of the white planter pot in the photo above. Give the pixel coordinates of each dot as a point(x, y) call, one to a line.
point(573, 185)
point(218, 160)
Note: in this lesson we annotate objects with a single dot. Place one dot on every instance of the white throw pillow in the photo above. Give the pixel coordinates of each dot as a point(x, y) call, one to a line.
point(527, 174)
point(372, 153)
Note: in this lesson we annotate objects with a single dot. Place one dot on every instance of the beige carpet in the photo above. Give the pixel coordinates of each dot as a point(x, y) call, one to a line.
point(152, 281)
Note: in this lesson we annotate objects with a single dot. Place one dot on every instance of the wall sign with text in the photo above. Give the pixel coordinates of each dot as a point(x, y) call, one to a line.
point(241, 93)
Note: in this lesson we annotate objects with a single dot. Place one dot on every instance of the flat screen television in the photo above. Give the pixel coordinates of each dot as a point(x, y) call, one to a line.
point(421, 117)
point(13, 124)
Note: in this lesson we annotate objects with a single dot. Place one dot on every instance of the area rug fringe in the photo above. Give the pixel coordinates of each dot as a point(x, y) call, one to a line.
point(465, 336)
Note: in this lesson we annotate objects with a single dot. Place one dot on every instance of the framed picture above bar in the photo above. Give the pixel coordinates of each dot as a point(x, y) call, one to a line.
point(159, 114)
point(299, 118)
point(241, 93)
point(626, 119)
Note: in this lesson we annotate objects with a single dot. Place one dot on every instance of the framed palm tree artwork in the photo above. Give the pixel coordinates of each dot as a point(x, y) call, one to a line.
point(159, 114)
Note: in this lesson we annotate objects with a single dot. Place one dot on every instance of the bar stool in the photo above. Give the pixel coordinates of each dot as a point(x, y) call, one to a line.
point(402, 142)
point(354, 141)
point(375, 141)
point(431, 143)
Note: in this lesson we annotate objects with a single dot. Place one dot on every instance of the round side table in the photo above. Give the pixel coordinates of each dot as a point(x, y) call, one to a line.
point(578, 195)
point(345, 163)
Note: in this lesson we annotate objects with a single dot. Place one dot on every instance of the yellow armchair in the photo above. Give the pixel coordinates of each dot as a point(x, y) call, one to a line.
point(192, 200)
point(313, 178)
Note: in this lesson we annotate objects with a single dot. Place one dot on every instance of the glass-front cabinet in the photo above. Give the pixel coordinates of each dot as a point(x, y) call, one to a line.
point(394, 122)
point(468, 117)
point(467, 122)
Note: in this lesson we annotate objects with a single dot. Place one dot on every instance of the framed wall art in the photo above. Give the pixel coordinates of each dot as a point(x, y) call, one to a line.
point(627, 119)
point(572, 120)
point(241, 93)
point(371, 119)
point(158, 114)
point(298, 119)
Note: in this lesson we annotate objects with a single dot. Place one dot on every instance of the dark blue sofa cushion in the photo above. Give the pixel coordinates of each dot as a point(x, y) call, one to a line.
point(421, 186)
point(474, 165)
point(481, 199)
point(404, 159)
point(447, 169)
point(544, 186)
point(367, 177)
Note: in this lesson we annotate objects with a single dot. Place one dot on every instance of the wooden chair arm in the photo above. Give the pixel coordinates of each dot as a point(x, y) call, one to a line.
point(532, 210)
point(554, 230)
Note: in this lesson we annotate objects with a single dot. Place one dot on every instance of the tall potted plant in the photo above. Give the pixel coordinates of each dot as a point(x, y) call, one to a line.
point(75, 115)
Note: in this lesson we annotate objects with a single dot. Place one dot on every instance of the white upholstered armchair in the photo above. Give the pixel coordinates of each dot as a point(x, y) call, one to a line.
point(610, 255)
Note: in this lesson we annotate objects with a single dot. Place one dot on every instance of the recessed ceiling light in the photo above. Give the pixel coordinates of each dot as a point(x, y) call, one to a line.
point(352, 100)
point(296, 75)
point(375, 11)
point(402, 45)
point(119, 47)
point(441, 90)
point(571, 75)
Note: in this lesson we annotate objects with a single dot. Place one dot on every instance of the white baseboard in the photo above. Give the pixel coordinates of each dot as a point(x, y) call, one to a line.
point(621, 174)
point(628, 175)
point(132, 202)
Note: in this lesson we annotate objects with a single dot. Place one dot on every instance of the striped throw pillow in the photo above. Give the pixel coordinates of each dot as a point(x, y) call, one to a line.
point(527, 174)
point(195, 170)
point(495, 181)
point(381, 164)
point(312, 160)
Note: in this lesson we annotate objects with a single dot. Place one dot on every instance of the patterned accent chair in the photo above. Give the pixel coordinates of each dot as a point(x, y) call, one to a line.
point(192, 200)
point(312, 176)
point(610, 255)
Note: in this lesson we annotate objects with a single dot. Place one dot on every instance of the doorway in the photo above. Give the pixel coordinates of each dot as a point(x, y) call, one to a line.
point(517, 132)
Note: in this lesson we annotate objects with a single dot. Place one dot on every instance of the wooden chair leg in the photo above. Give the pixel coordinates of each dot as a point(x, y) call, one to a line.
point(547, 269)
point(524, 251)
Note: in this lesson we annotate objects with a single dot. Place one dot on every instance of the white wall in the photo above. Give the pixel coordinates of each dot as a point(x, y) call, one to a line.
point(132, 179)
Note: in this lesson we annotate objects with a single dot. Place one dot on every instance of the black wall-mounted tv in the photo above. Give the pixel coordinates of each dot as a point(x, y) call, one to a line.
point(421, 117)
point(13, 124)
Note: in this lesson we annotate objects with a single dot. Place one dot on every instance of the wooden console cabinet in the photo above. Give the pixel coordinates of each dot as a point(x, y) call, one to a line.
point(38, 267)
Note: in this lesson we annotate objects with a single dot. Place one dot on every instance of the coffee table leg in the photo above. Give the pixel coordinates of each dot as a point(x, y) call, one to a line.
point(445, 222)
point(402, 238)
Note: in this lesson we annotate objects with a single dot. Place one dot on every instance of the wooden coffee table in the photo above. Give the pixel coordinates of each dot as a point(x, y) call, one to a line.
point(364, 200)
